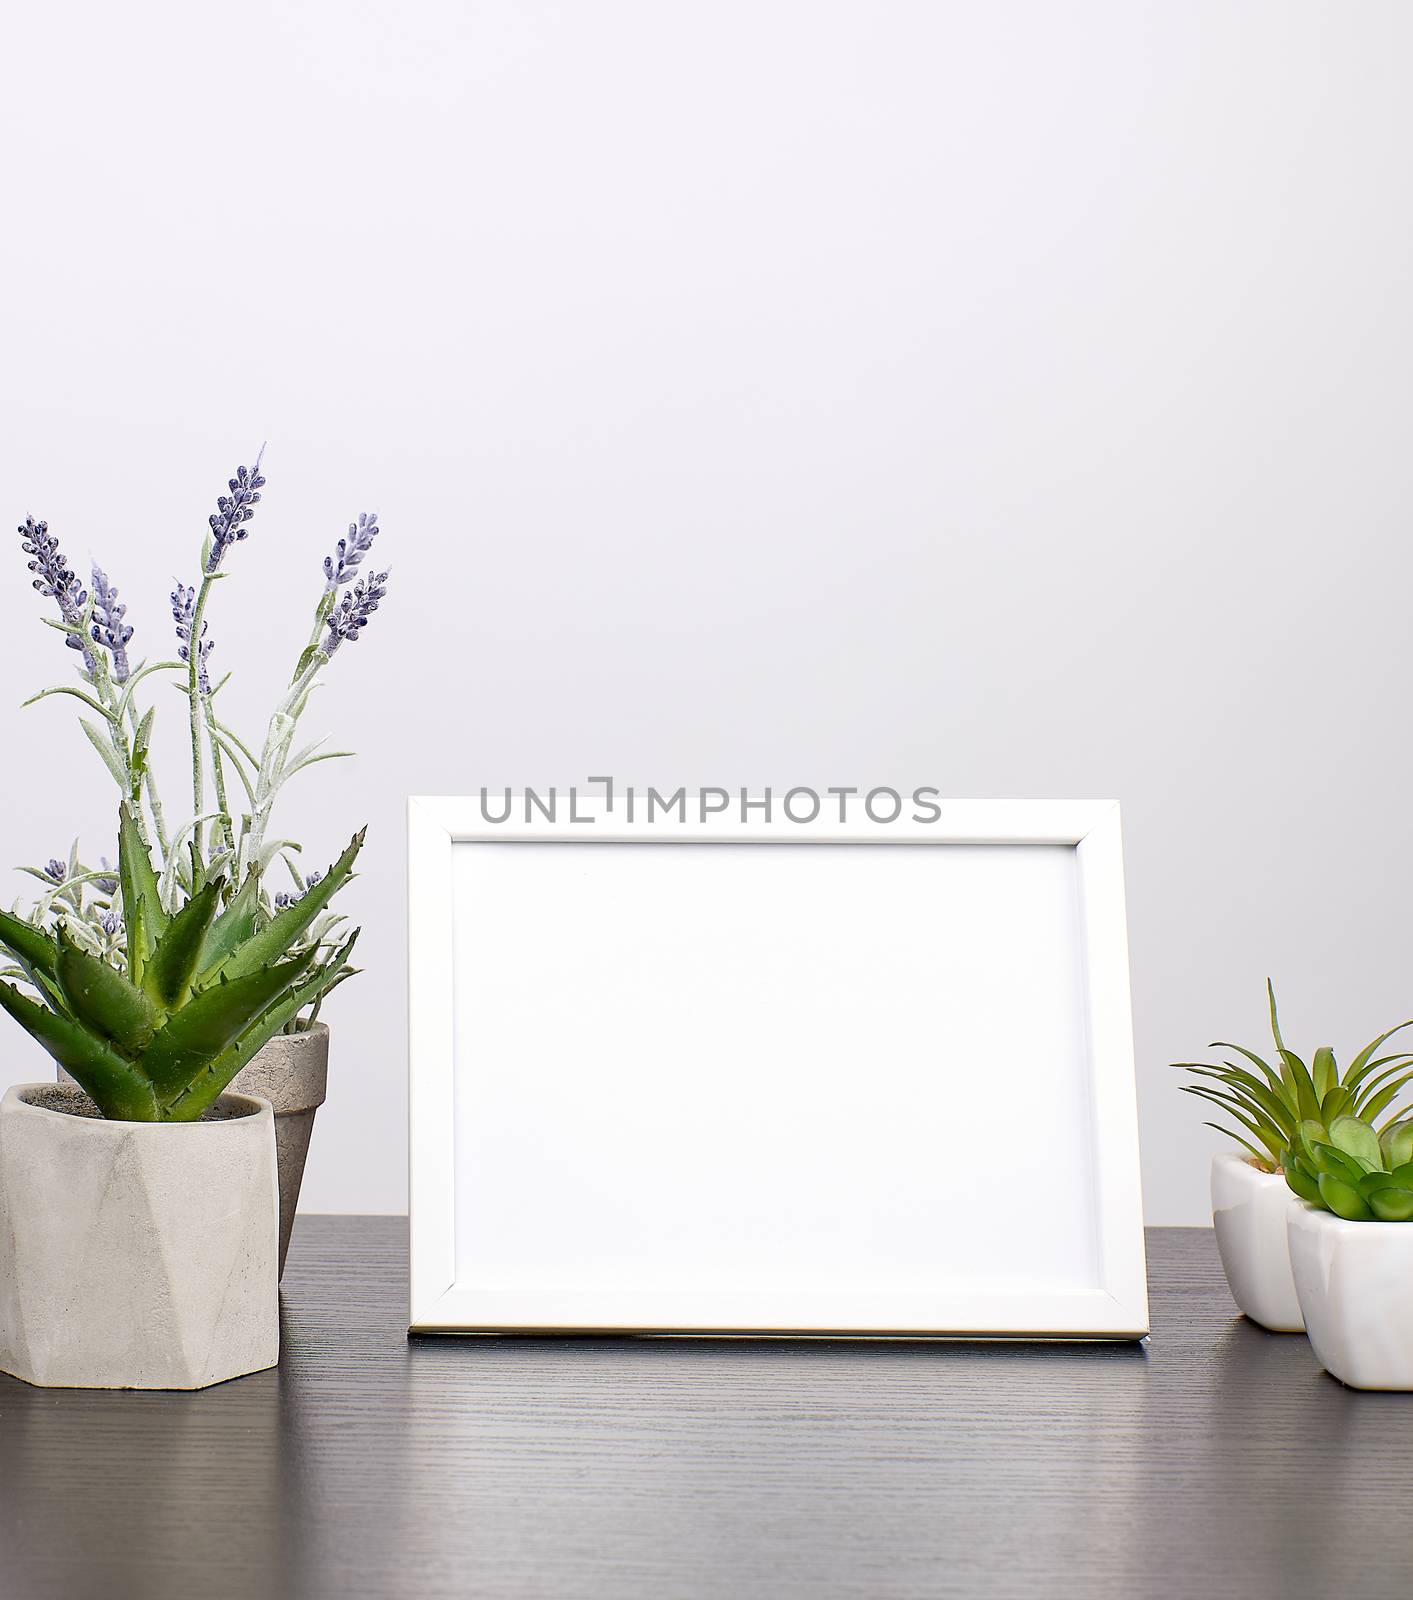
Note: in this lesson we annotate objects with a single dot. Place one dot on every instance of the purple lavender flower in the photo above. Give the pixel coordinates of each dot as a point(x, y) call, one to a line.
point(340, 568)
point(56, 869)
point(183, 613)
point(285, 898)
point(111, 923)
point(234, 510)
point(350, 616)
point(55, 580)
point(109, 628)
point(107, 885)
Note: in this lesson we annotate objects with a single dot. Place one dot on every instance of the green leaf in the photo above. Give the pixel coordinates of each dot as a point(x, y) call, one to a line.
point(1312, 1133)
point(1275, 1020)
point(178, 866)
point(1306, 1098)
point(31, 947)
point(1392, 1205)
point(141, 744)
point(1279, 1085)
point(233, 926)
point(1232, 1089)
point(343, 977)
point(1384, 1098)
point(1344, 1199)
point(188, 1104)
point(169, 972)
point(1397, 1145)
point(1371, 1080)
point(286, 927)
point(308, 657)
point(143, 916)
point(227, 732)
point(143, 670)
point(104, 746)
point(1358, 1141)
point(193, 1037)
point(308, 761)
point(1249, 1118)
point(1336, 1164)
point(103, 1000)
point(66, 688)
point(1324, 1072)
point(1336, 1103)
point(114, 1085)
point(1356, 1067)
point(237, 765)
point(1252, 1088)
point(1372, 1181)
point(1301, 1182)
point(1216, 1127)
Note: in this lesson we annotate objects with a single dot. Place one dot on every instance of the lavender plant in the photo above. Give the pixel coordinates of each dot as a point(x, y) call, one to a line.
point(154, 982)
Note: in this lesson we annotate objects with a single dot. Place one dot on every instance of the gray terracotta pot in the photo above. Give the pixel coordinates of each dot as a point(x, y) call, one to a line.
point(292, 1073)
point(136, 1255)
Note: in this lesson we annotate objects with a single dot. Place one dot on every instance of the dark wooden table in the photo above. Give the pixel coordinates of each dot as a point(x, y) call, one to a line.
point(1216, 1460)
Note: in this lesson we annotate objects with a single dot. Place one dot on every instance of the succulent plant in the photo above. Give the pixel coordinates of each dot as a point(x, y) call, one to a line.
point(1273, 1106)
point(1351, 1170)
point(154, 982)
point(202, 990)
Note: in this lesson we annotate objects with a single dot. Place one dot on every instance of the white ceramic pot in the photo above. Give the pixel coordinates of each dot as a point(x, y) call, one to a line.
point(1249, 1212)
point(1355, 1282)
point(136, 1255)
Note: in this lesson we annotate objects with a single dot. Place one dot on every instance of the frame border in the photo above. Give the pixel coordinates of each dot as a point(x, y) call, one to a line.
point(435, 823)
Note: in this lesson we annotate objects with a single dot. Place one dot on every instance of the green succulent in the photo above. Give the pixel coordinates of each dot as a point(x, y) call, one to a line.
point(1351, 1170)
point(202, 987)
point(1272, 1104)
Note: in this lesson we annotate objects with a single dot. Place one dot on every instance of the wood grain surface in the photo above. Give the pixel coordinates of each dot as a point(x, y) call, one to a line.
point(1213, 1460)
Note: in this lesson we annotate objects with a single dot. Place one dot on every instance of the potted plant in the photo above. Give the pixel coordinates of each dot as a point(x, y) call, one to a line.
point(1250, 1199)
point(140, 1211)
point(1350, 1251)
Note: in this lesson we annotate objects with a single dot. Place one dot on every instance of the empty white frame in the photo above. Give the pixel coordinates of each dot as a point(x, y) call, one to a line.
point(762, 1077)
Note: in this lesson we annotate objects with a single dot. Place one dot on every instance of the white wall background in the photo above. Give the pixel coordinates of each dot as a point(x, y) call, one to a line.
point(1013, 397)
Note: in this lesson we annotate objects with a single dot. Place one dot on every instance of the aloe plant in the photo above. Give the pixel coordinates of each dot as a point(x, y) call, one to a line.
point(1273, 1102)
point(203, 989)
point(1353, 1171)
point(154, 982)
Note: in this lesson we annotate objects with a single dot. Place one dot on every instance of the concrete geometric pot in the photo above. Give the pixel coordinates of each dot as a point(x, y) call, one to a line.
point(292, 1073)
point(1249, 1211)
point(136, 1255)
point(1355, 1281)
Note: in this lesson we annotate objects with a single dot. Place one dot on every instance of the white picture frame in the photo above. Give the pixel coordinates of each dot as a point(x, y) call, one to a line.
point(587, 1155)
